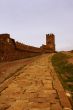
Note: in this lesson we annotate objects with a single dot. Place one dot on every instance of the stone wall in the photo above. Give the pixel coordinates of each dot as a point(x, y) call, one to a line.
point(12, 50)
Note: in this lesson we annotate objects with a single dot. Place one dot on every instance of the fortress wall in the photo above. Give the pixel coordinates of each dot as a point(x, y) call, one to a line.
point(12, 50)
point(9, 54)
point(27, 47)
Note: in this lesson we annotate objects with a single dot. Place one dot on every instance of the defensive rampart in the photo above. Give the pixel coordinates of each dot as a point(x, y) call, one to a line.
point(12, 50)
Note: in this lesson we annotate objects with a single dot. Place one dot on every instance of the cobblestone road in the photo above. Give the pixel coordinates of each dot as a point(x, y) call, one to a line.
point(36, 88)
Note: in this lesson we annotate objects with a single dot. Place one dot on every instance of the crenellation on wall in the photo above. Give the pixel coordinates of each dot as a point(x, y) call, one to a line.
point(50, 44)
point(12, 50)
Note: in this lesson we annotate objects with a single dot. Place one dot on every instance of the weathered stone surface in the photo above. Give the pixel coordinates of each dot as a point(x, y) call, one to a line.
point(56, 106)
point(30, 91)
point(50, 43)
point(12, 50)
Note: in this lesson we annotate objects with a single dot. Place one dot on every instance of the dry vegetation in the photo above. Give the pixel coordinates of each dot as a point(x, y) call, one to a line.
point(63, 64)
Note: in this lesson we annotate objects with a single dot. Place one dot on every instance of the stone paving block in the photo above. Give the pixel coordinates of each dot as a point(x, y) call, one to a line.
point(62, 95)
point(48, 91)
point(13, 91)
point(4, 106)
point(48, 108)
point(39, 105)
point(19, 105)
point(40, 99)
point(56, 106)
point(64, 100)
point(28, 95)
point(48, 86)
point(33, 88)
point(53, 98)
point(45, 93)
point(58, 85)
point(37, 88)
point(47, 81)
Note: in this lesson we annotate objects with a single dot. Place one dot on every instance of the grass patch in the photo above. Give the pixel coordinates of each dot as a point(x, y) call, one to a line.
point(64, 70)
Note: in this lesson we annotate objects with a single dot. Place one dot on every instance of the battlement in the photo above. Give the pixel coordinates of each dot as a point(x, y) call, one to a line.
point(50, 43)
point(50, 39)
point(4, 37)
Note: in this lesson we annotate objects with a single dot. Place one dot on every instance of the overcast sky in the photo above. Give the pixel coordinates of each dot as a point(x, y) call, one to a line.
point(29, 20)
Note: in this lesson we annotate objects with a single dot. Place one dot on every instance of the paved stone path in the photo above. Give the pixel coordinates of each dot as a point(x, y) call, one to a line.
point(36, 88)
